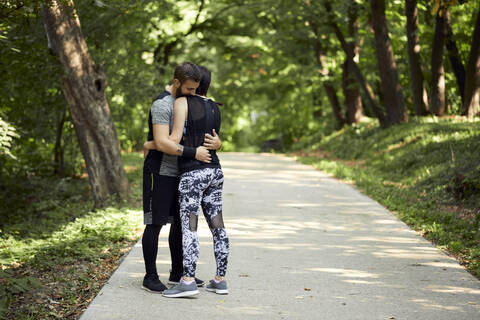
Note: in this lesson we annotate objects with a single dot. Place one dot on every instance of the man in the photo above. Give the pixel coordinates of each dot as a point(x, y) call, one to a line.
point(200, 185)
point(160, 177)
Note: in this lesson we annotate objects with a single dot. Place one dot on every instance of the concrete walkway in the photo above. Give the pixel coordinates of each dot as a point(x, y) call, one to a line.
point(303, 246)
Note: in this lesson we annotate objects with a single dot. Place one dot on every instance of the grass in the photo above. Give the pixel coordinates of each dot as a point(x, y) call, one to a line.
point(55, 252)
point(426, 171)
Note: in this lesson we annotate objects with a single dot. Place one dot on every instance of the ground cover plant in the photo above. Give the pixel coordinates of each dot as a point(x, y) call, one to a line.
point(426, 171)
point(57, 253)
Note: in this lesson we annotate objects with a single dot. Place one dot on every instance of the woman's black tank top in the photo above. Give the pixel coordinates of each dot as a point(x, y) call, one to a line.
point(203, 117)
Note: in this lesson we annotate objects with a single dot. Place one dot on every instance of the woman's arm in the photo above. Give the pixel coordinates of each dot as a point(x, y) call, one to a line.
point(180, 114)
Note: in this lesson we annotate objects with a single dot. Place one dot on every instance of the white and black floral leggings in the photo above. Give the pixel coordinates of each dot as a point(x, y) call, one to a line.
point(202, 188)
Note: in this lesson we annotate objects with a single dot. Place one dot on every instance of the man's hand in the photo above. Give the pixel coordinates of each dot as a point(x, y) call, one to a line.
point(212, 142)
point(203, 155)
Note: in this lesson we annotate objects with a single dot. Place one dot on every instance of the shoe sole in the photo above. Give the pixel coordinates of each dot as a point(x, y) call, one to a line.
point(218, 291)
point(150, 290)
point(182, 294)
point(173, 283)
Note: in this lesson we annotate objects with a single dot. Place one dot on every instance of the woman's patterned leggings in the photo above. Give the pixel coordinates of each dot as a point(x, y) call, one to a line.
point(202, 188)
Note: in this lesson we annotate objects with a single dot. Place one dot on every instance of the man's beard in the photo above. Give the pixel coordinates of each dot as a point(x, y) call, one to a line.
point(178, 92)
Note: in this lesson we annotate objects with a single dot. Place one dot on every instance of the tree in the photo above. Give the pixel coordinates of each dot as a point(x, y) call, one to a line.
point(84, 89)
point(438, 103)
point(420, 96)
point(327, 84)
point(471, 105)
point(375, 109)
point(454, 56)
point(351, 91)
point(392, 91)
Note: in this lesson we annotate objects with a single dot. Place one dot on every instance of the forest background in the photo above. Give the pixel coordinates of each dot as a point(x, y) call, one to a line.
point(381, 93)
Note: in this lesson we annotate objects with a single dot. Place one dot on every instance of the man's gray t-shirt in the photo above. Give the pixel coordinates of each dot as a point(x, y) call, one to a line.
point(162, 113)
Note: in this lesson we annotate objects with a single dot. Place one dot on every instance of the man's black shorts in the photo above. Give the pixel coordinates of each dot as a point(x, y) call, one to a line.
point(160, 198)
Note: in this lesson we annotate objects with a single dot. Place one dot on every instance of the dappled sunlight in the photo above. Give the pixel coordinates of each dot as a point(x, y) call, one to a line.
point(281, 246)
point(347, 273)
point(453, 264)
point(345, 205)
point(364, 282)
point(384, 221)
point(432, 305)
point(404, 254)
point(450, 289)
point(244, 310)
point(300, 205)
point(385, 239)
point(134, 212)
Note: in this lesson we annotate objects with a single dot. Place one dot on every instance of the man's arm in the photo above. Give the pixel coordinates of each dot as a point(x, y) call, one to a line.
point(161, 142)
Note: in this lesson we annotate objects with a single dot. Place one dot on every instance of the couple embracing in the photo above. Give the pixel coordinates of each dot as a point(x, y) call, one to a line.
point(182, 174)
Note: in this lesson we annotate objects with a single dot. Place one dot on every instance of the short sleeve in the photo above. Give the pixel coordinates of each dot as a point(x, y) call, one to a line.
point(161, 111)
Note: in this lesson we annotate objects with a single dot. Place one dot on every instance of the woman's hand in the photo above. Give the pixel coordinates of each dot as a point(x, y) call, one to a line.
point(212, 142)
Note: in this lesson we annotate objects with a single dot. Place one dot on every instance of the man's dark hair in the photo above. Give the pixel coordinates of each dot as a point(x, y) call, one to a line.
point(187, 71)
point(205, 82)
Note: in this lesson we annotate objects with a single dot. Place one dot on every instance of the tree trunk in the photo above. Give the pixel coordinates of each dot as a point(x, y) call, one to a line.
point(420, 96)
point(353, 100)
point(375, 109)
point(454, 57)
point(438, 74)
point(471, 105)
point(84, 89)
point(351, 91)
point(59, 151)
point(392, 91)
point(336, 107)
point(327, 84)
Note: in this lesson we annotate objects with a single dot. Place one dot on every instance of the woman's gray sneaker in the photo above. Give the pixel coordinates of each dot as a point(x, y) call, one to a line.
point(218, 287)
point(182, 290)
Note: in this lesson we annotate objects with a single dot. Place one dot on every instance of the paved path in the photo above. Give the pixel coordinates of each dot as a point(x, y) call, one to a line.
point(303, 246)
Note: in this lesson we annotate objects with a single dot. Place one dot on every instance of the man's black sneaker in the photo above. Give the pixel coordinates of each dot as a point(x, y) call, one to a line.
point(176, 280)
point(153, 284)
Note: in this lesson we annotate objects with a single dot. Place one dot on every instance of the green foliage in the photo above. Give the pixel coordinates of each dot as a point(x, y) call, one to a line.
point(261, 54)
point(427, 171)
point(7, 133)
point(59, 230)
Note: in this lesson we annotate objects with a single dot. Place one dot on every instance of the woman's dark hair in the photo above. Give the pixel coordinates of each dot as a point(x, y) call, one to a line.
point(187, 71)
point(205, 82)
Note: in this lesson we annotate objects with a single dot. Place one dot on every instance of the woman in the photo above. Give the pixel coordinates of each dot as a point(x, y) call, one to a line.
point(200, 186)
